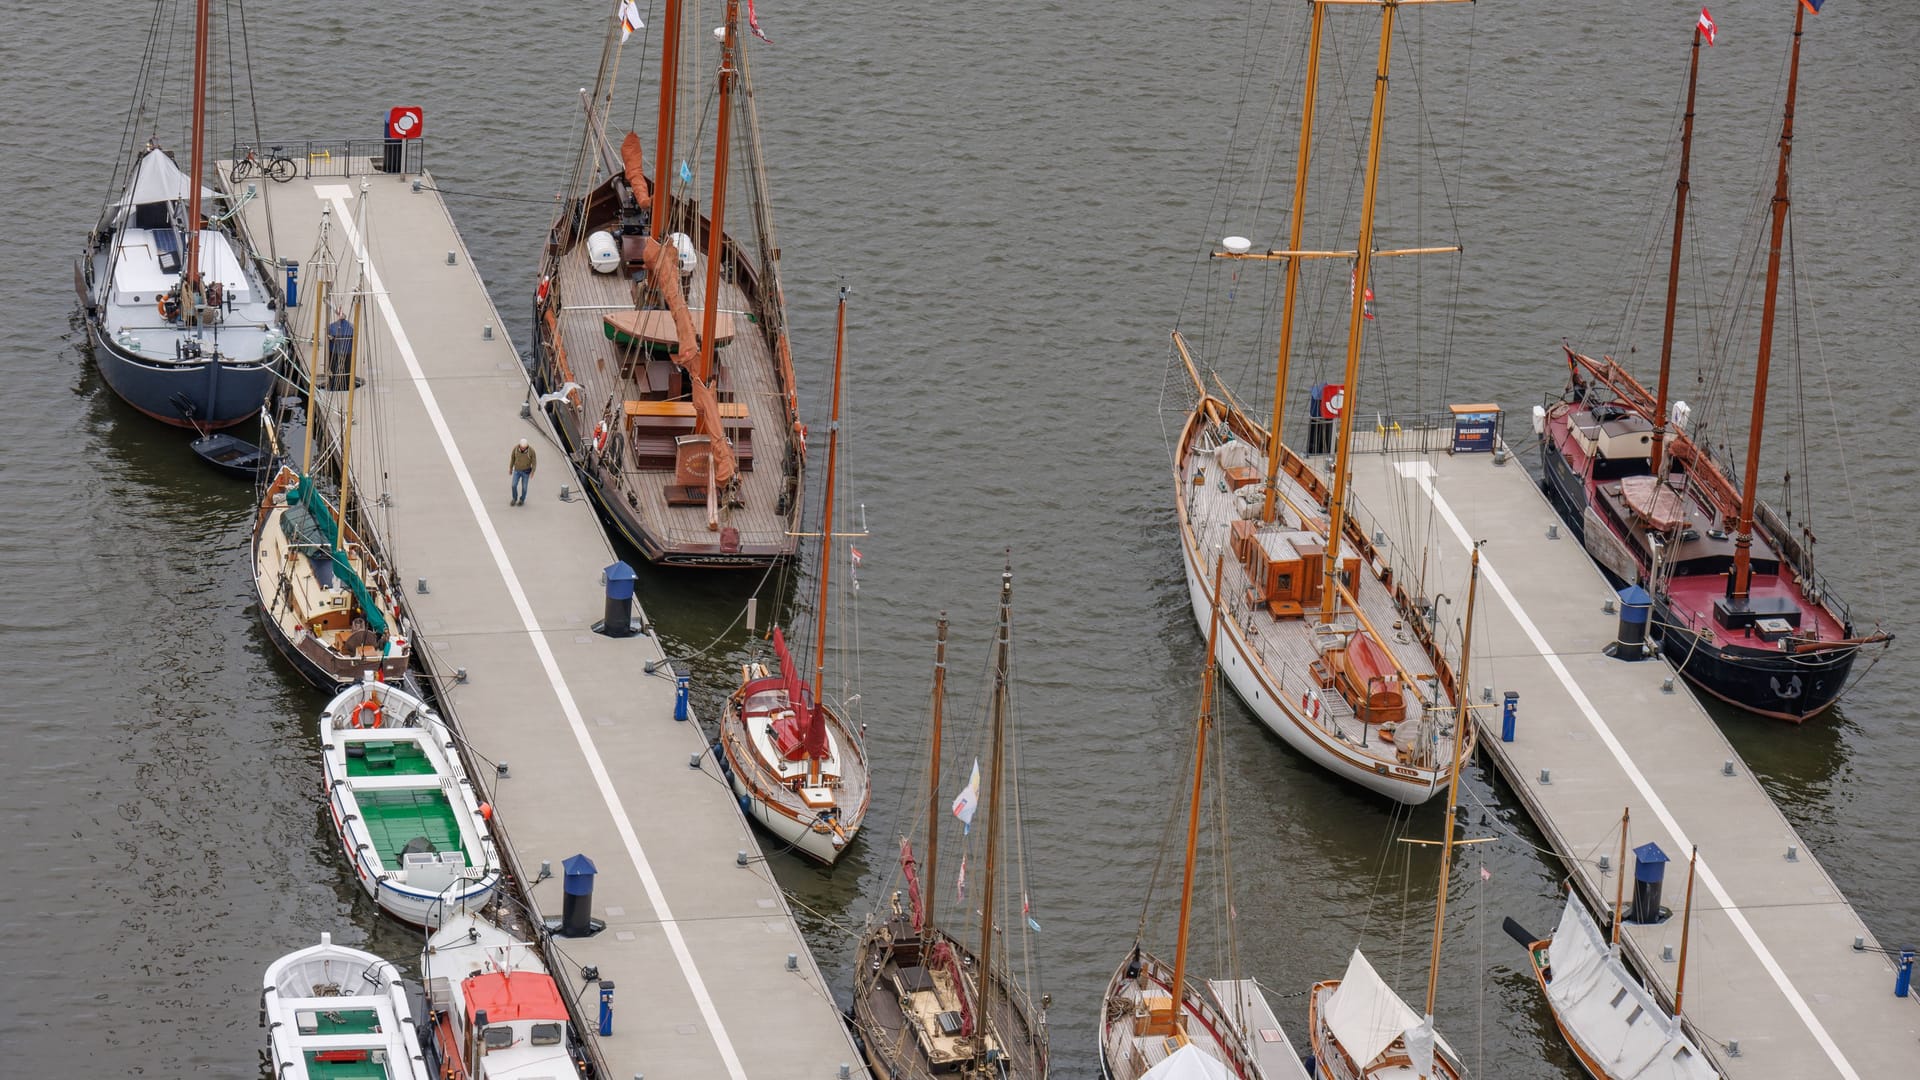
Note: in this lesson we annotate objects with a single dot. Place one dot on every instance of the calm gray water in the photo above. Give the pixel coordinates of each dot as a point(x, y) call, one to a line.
point(1015, 192)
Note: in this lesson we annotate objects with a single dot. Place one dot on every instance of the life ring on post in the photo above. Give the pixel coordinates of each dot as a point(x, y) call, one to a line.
point(367, 706)
point(599, 436)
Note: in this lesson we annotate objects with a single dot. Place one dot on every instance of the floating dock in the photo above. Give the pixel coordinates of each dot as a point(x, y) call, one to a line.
point(709, 974)
point(1775, 985)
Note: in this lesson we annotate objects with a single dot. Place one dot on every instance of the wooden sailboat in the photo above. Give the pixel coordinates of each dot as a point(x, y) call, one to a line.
point(665, 338)
point(1617, 1029)
point(925, 1003)
point(324, 596)
point(1307, 593)
point(333, 1013)
point(1361, 1030)
point(403, 807)
point(496, 1012)
point(1737, 603)
point(183, 324)
point(796, 765)
point(1144, 1033)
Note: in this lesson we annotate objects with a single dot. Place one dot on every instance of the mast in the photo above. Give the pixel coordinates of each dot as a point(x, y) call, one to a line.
point(353, 366)
point(1291, 289)
point(190, 300)
point(1673, 269)
point(1453, 785)
point(815, 716)
point(1620, 883)
point(984, 989)
point(663, 128)
point(1737, 585)
point(716, 236)
point(1193, 803)
point(1362, 263)
point(1686, 924)
point(323, 277)
point(933, 771)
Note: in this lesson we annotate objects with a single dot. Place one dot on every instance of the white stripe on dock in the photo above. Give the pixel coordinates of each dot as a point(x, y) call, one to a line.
point(1422, 472)
point(339, 194)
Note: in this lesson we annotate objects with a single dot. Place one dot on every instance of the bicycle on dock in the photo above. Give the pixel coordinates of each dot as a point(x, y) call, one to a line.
point(276, 165)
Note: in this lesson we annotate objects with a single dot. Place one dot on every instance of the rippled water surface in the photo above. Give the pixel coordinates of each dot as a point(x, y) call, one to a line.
point(1015, 192)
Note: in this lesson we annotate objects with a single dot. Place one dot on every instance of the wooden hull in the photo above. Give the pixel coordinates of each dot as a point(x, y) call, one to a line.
point(821, 833)
point(891, 968)
point(1136, 1031)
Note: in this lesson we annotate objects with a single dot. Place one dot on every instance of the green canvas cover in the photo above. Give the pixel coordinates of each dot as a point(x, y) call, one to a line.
point(309, 522)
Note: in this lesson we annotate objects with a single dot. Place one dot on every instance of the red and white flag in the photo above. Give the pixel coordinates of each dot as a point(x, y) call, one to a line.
point(856, 556)
point(1706, 26)
point(753, 24)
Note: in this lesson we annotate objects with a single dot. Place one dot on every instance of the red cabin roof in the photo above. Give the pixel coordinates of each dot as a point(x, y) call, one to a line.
point(524, 995)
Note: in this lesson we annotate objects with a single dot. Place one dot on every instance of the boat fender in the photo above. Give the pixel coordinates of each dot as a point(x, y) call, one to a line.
point(540, 294)
point(599, 436)
point(486, 811)
point(366, 707)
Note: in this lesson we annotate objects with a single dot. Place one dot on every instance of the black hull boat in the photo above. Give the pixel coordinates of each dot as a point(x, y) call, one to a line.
point(233, 455)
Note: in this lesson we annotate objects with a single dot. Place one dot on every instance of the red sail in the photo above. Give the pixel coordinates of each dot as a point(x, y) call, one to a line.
point(795, 732)
point(634, 164)
point(911, 870)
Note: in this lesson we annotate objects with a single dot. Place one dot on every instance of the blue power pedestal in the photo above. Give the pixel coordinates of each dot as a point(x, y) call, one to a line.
point(682, 693)
point(1509, 712)
point(606, 1006)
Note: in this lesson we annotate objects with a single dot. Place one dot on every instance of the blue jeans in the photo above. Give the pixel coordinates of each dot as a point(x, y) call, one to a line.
point(520, 477)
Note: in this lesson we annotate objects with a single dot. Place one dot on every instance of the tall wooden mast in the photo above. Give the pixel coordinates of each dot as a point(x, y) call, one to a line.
point(716, 233)
point(1739, 583)
point(1193, 802)
point(933, 772)
point(663, 127)
point(190, 275)
point(1290, 291)
point(1460, 727)
point(360, 286)
point(984, 969)
point(1673, 269)
point(1686, 924)
point(815, 717)
point(1620, 883)
point(1362, 263)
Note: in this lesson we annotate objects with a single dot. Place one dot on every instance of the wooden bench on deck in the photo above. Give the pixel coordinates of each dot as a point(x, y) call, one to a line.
point(652, 427)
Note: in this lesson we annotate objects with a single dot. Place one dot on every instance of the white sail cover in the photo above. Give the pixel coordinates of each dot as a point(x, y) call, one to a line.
point(1188, 1063)
point(1628, 1033)
point(155, 179)
point(1364, 1013)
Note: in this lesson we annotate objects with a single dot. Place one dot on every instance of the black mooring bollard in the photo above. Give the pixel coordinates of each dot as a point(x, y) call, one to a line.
point(618, 621)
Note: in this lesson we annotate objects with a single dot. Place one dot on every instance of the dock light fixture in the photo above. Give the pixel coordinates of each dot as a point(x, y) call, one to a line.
point(1793, 853)
point(449, 258)
point(793, 961)
point(420, 586)
point(1726, 767)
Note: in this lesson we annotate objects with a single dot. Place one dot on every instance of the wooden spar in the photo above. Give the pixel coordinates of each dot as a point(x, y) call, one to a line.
point(1362, 263)
point(1278, 255)
point(933, 772)
point(322, 279)
point(1738, 585)
point(984, 969)
point(360, 287)
point(1193, 804)
point(716, 231)
point(663, 130)
point(1686, 924)
point(1620, 883)
point(1291, 290)
point(1186, 357)
point(816, 719)
point(1460, 723)
point(190, 275)
point(1659, 416)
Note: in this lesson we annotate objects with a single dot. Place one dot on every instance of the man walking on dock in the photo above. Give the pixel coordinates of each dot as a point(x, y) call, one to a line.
point(521, 463)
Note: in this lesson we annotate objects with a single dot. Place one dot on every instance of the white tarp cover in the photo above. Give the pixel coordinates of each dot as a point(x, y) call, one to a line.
point(1634, 1039)
point(1188, 1063)
point(1365, 1015)
point(1246, 1007)
point(155, 179)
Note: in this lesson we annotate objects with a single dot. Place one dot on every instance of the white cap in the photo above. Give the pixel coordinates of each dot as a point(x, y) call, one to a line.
point(523, 442)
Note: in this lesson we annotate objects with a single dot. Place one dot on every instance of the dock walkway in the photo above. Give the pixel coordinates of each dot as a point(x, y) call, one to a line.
point(1771, 962)
point(698, 947)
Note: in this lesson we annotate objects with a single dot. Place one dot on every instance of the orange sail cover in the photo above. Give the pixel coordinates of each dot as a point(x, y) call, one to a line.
point(663, 269)
point(635, 165)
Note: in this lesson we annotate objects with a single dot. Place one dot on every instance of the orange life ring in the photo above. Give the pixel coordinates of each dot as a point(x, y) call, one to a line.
point(599, 436)
point(540, 294)
point(368, 705)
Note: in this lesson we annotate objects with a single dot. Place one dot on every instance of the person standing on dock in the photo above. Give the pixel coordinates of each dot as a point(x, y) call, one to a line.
point(521, 464)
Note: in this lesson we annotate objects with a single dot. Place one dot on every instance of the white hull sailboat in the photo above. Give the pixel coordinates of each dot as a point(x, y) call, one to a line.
point(403, 807)
point(335, 1012)
point(796, 765)
point(497, 1013)
point(1309, 596)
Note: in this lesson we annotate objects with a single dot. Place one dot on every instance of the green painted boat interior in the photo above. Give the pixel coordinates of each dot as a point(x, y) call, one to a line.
point(345, 1065)
point(388, 758)
point(395, 817)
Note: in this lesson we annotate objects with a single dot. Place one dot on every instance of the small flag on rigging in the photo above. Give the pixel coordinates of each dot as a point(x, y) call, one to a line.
point(686, 172)
point(855, 553)
point(1813, 5)
point(968, 800)
point(1486, 874)
point(960, 883)
point(1366, 305)
point(1707, 26)
point(753, 23)
point(630, 19)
